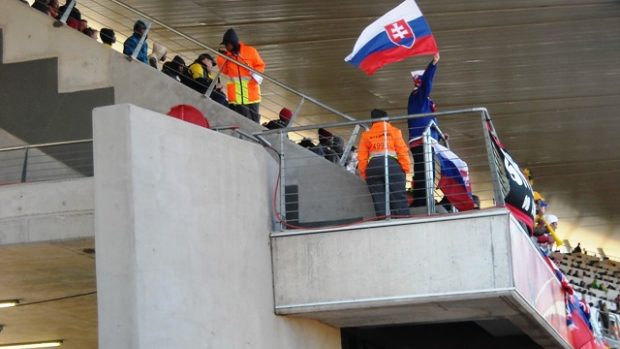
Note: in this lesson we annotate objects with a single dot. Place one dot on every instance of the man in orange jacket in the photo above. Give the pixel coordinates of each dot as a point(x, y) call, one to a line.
point(373, 155)
point(243, 85)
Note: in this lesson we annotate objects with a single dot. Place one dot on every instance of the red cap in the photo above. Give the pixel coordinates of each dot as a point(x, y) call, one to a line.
point(190, 114)
point(286, 114)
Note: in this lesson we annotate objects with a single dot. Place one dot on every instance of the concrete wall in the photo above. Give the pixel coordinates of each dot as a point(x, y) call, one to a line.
point(437, 257)
point(182, 238)
point(46, 211)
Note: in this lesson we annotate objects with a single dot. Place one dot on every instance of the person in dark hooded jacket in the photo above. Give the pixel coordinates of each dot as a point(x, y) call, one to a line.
point(243, 85)
point(175, 68)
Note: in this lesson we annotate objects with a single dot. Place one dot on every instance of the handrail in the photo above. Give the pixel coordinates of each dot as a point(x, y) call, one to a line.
point(216, 52)
point(369, 121)
point(44, 145)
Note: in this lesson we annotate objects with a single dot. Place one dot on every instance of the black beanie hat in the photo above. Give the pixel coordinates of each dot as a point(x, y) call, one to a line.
point(378, 114)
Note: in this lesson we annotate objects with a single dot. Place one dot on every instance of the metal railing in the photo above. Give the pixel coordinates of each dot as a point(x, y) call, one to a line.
point(46, 161)
point(304, 190)
point(120, 16)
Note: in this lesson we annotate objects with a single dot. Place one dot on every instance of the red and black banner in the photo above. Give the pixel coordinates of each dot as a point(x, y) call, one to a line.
point(515, 188)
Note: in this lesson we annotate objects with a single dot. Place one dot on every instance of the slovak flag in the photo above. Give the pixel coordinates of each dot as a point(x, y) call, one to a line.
point(400, 33)
point(454, 178)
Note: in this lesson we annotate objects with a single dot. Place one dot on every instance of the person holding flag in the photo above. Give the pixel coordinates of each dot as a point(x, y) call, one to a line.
point(420, 102)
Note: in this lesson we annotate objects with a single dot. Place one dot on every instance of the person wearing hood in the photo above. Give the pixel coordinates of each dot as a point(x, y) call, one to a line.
point(420, 102)
point(243, 85)
point(139, 28)
point(175, 68)
point(158, 55)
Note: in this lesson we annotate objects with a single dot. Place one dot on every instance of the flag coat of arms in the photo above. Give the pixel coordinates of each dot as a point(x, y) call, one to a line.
point(400, 33)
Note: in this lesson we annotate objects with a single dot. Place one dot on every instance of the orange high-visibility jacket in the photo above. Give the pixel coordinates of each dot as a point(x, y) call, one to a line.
point(372, 144)
point(241, 88)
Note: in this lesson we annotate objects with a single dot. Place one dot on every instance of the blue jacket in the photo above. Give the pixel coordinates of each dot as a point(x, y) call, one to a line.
point(421, 103)
point(130, 45)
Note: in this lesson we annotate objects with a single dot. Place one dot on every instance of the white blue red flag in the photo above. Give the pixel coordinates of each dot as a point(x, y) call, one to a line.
point(454, 178)
point(400, 33)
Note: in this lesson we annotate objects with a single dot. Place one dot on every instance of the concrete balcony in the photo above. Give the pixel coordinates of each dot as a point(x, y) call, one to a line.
point(472, 266)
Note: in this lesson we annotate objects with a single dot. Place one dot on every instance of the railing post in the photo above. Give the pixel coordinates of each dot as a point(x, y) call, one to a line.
point(296, 112)
point(25, 166)
point(213, 84)
point(497, 185)
point(386, 169)
point(136, 52)
point(349, 146)
point(429, 169)
point(282, 226)
point(65, 16)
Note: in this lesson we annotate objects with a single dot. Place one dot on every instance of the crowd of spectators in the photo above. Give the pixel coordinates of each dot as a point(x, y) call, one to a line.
point(241, 90)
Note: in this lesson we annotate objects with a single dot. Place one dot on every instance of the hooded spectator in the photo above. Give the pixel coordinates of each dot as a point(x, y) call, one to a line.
point(107, 36)
point(175, 68)
point(139, 30)
point(158, 55)
point(283, 120)
point(243, 85)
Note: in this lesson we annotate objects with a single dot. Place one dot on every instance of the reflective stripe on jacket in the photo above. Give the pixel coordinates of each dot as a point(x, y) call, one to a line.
point(372, 143)
point(241, 88)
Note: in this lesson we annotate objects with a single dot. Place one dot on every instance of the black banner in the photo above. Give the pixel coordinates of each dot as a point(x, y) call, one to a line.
point(516, 189)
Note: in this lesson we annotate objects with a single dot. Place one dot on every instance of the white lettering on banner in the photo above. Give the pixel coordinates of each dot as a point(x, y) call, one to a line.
point(520, 179)
point(398, 31)
point(527, 204)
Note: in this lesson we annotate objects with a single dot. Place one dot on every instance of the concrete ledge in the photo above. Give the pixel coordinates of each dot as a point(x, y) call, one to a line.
point(470, 266)
point(46, 211)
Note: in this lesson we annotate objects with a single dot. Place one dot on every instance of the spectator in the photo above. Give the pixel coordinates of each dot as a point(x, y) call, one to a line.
point(42, 5)
point(158, 55)
point(308, 144)
point(139, 28)
point(283, 120)
point(175, 68)
point(604, 314)
point(107, 36)
point(53, 7)
point(373, 155)
point(91, 32)
point(578, 248)
point(243, 86)
point(338, 145)
point(202, 74)
point(326, 141)
point(353, 161)
point(617, 301)
point(75, 16)
point(476, 201)
point(419, 103)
